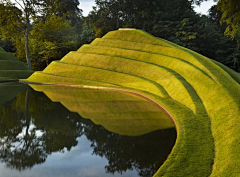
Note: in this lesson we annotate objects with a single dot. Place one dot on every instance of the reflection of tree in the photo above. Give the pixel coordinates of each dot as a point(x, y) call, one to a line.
point(124, 153)
point(25, 154)
point(19, 148)
point(28, 136)
point(61, 128)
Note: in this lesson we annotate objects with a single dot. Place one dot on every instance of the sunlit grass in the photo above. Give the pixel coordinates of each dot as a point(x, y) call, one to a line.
point(112, 77)
point(232, 73)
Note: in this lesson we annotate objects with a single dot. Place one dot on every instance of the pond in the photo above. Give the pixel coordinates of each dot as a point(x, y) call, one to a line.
point(71, 132)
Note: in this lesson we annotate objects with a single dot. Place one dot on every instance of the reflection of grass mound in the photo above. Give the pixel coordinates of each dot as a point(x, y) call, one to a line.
point(202, 97)
point(11, 68)
point(118, 112)
point(10, 90)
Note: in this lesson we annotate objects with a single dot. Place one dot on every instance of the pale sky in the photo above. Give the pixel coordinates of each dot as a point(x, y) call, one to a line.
point(205, 6)
point(86, 6)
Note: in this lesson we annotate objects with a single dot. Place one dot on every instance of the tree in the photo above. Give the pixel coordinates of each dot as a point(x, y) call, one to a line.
point(6, 45)
point(87, 34)
point(230, 15)
point(15, 18)
point(52, 38)
point(169, 18)
point(18, 18)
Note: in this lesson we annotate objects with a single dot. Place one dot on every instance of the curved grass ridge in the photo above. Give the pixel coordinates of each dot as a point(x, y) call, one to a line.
point(11, 68)
point(202, 97)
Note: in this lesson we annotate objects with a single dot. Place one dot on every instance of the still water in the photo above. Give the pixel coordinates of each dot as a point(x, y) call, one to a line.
point(72, 132)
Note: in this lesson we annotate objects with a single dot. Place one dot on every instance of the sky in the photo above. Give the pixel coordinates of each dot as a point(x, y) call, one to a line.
point(86, 6)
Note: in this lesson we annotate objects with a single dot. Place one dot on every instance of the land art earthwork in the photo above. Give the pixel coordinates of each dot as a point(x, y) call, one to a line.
point(201, 96)
point(11, 68)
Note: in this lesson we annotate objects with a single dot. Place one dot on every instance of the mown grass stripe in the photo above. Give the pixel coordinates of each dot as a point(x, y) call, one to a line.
point(121, 52)
point(135, 36)
point(110, 76)
point(157, 74)
point(159, 86)
point(154, 49)
point(51, 78)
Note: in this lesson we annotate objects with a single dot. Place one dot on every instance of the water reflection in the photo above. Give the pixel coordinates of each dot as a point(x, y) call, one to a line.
point(8, 91)
point(28, 138)
point(118, 112)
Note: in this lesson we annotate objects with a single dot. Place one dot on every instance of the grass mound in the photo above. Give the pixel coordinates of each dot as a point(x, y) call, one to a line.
point(11, 68)
point(202, 97)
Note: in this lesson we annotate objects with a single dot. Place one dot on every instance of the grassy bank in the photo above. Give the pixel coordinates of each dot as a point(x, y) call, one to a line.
point(201, 96)
point(11, 68)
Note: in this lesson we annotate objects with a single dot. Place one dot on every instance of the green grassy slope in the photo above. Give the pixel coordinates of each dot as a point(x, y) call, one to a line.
point(11, 68)
point(201, 96)
point(232, 73)
point(118, 112)
point(1, 49)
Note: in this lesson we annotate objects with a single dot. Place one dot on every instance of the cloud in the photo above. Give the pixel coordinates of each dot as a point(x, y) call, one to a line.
point(205, 6)
point(86, 6)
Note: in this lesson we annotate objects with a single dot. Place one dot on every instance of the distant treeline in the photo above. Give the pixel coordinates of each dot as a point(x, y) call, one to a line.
point(57, 27)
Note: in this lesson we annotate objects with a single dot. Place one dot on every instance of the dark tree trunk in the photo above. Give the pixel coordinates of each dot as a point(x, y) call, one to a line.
point(26, 44)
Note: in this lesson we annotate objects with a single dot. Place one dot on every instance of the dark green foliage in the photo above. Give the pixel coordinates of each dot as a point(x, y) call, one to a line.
point(131, 152)
point(174, 20)
point(15, 26)
point(230, 15)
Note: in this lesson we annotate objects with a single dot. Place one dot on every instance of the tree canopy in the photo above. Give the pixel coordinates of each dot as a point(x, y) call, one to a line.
point(19, 20)
point(231, 16)
point(64, 28)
